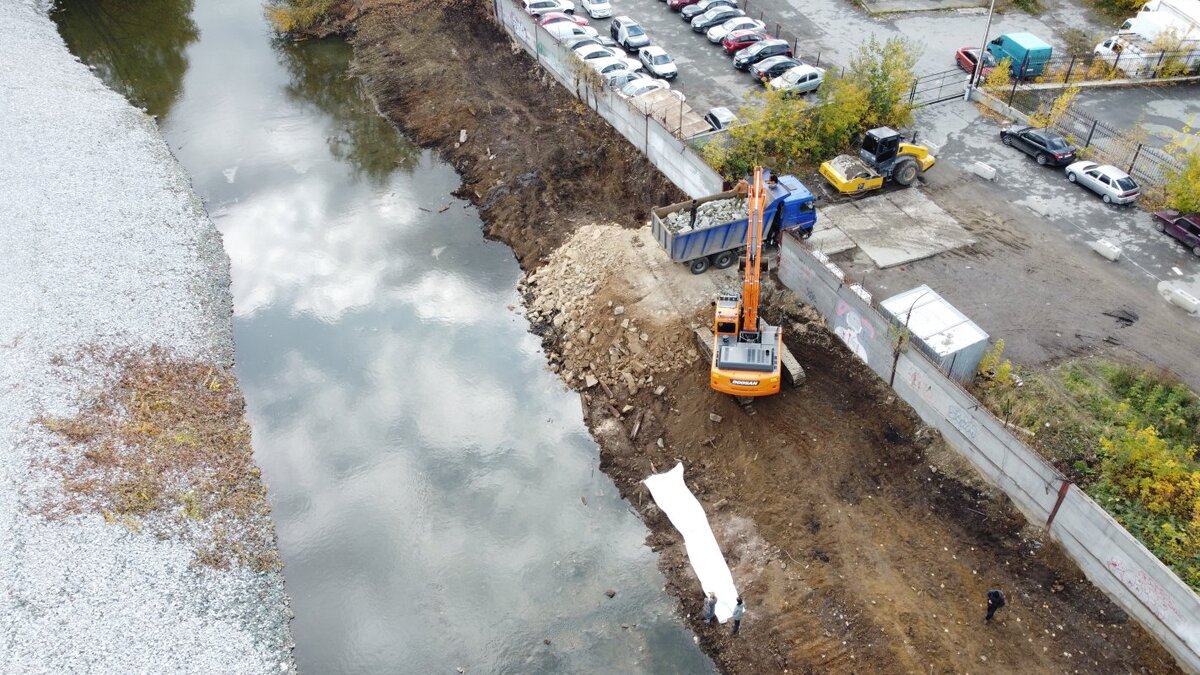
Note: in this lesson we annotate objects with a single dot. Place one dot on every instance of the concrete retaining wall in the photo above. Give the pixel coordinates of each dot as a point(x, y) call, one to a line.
point(1110, 557)
point(672, 156)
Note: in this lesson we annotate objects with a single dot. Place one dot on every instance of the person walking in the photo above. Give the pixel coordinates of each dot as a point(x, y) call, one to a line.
point(695, 205)
point(995, 600)
point(710, 608)
point(738, 611)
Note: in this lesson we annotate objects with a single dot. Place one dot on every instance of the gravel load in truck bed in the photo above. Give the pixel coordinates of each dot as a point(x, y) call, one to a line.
point(707, 214)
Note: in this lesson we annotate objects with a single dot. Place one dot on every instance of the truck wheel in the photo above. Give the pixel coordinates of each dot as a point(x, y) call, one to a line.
point(698, 266)
point(905, 172)
point(806, 233)
point(723, 259)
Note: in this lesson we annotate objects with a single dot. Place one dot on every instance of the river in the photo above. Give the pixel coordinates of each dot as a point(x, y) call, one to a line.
point(437, 497)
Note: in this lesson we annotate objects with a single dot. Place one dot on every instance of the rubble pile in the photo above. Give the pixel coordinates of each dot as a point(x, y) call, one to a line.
point(596, 334)
point(707, 214)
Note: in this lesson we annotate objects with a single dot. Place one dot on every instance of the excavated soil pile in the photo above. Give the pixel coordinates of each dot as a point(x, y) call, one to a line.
point(859, 542)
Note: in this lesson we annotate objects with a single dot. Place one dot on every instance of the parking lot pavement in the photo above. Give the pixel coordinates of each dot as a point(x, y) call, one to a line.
point(1163, 110)
point(1032, 279)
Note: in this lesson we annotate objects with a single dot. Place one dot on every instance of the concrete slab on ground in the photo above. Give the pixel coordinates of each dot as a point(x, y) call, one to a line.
point(898, 227)
point(827, 237)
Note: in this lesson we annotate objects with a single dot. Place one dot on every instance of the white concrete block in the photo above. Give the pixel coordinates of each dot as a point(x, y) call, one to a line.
point(1106, 248)
point(1179, 297)
point(984, 171)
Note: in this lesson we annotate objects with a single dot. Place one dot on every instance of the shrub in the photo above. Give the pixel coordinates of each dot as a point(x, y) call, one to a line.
point(1000, 77)
point(297, 15)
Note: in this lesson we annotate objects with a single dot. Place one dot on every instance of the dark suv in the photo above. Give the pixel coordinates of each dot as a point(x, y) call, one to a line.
point(759, 51)
point(1046, 146)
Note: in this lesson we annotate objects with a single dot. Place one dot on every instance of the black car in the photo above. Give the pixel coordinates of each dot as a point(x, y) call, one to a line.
point(1046, 146)
point(759, 51)
point(715, 17)
point(772, 67)
point(692, 11)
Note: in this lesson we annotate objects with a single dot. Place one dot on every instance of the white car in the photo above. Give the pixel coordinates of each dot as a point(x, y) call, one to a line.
point(593, 52)
point(799, 80)
point(612, 64)
point(620, 78)
point(568, 31)
point(718, 33)
point(597, 9)
point(1112, 184)
point(658, 62)
point(642, 87)
point(540, 7)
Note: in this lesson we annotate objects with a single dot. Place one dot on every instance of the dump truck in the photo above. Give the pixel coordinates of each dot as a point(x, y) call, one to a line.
point(717, 235)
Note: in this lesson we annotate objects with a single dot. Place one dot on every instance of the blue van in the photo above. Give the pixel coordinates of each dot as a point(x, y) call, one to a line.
point(1027, 53)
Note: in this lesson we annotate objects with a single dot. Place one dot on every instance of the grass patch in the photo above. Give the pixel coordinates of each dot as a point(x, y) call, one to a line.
point(292, 16)
point(164, 440)
point(1129, 437)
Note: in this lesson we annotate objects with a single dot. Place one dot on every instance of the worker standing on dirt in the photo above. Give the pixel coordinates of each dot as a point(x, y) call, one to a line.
point(710, 607)
point(995, 600)
point(694, 206)
point(738, 611)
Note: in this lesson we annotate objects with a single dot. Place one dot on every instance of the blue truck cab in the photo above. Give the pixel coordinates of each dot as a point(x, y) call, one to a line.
point(1027, 53)
point(719, 245)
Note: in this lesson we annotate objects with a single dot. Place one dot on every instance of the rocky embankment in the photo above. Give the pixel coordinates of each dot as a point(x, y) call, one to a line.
point(134, 532)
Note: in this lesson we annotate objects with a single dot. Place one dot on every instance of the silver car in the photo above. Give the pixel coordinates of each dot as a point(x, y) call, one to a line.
point(597, 9)
point(1112, 184)
point(658, 62)
point(718, 33)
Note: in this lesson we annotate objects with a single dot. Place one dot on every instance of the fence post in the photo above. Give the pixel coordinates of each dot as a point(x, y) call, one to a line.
point(537, 44)
point(1062, 493)
point(680, 132)
point(1158, 66)
point(1088, 142)
point(796, 49)
point(1013, 94)
point(1069, 69)
point(777, 29)
point(1115, 62)
point(1135, 156)
point(912, 94)
point(815, 65)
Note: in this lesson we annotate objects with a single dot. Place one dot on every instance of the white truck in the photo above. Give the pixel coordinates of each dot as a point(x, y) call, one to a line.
point(1182, 12)
point(1148, 41)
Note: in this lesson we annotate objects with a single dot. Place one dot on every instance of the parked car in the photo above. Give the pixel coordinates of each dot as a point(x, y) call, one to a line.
point(578, 41)
point(769, 68)
point(564, 31)
point(551, 18)
point(1184, 228)
point(720, 118)
point(658, 62)
point(714, 17)
point(597, 9)
point(678, 5)
point(593, 52)
point(717, 33)
point(1112, 184)
point(1044, 145)
point(540, 7)
point(642, 87)
point(740, 39)
point(612, 64)
point(692, 11)
point(799, 80)
point(628, 34)
point(968, 57)
point(619, 78)
point(760, 50)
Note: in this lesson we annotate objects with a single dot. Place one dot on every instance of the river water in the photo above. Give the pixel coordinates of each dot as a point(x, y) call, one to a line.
point(435, 491)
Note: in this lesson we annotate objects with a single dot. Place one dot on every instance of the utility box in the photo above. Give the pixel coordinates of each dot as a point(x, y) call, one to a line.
point(939, 330)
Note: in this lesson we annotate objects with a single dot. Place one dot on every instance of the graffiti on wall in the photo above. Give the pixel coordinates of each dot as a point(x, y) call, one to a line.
point(853, 330)
point(1145, 588)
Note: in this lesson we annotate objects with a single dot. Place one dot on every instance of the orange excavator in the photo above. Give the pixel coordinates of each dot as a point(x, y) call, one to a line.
point(746, 349)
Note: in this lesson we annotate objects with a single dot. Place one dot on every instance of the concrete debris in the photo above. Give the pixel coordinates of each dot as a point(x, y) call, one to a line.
point(462, 135)
point(590, 381)
point(658, 391)
point(619, 310)
point(715, 417)
point(707, 214)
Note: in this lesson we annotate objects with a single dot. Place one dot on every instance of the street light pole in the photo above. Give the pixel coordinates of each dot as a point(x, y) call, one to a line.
point(982, 49)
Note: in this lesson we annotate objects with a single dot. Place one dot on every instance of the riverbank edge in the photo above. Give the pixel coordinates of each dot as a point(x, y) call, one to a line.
point(109, 249)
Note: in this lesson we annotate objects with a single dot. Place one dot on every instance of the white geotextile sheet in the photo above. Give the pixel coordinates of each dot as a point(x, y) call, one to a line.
point(686, 514)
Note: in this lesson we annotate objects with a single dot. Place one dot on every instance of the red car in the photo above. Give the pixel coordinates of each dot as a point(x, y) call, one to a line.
point(967, 57)
point(1184, 228)
point(740, 39)
point(678, 5)
point(558, 17)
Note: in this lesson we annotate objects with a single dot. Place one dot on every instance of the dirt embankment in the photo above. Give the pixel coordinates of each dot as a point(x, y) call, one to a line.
point(860, 542)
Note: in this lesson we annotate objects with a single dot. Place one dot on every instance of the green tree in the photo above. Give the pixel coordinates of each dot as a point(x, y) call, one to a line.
point(885, 72)
point(1183, 187)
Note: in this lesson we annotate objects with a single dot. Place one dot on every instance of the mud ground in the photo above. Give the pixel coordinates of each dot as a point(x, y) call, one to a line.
point(861, 543)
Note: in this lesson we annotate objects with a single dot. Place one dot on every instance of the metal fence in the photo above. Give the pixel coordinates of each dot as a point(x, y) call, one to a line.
point(756, 9)
point(1091, 67)
point(938, 87)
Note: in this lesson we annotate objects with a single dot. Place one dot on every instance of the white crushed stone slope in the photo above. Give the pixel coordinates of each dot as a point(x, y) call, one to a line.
point(103, 242)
